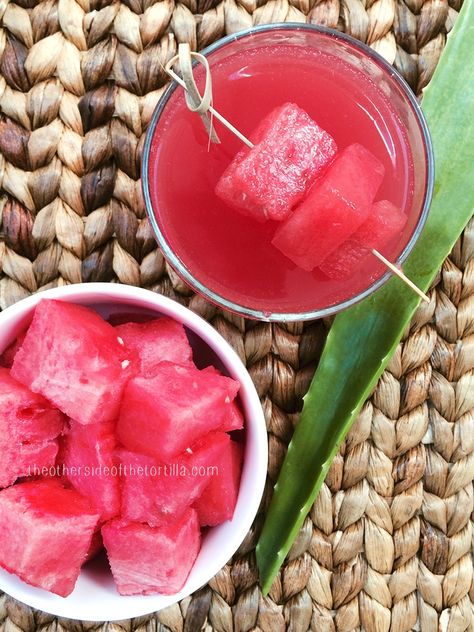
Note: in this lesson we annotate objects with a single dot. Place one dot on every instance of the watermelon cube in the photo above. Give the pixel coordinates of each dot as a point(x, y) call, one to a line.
point(46, 531)
point(217, 502)
point(154, 492)
point(268, 180)
point(333, 210)
point(26, 416)
point(154, 341)
point(163, 415)
point(385, 222)
point(7, 357)
point(29, 426)
point(90, 465)
point(234, 419)
point(356, 174)
point(146, 560)
point(73, 357)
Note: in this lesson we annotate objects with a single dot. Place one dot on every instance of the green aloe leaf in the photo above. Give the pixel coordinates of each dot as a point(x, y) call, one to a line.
point(363, 338)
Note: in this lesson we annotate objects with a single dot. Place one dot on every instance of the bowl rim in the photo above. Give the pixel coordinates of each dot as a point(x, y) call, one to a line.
point(252, 485)
point(216, 298)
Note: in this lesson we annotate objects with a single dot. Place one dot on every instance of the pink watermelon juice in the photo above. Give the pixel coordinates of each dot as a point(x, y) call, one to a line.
point(230, 256)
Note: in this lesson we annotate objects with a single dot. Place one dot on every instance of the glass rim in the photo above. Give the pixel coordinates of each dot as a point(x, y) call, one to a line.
point(258, 314)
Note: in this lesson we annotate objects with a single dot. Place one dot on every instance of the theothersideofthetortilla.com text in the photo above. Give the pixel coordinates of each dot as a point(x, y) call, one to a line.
point(173, 470)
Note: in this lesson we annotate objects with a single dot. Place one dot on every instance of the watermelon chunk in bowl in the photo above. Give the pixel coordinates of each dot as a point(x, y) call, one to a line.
point(152, 492)
point(217, 501)
point(164, 414)
point(29, 426)
point(146, 560)
point(7, 357)
point(233, 419)
point(156, 340)
point(95, 597)
point(46, 532)
point(93, 447)
point(83, 371)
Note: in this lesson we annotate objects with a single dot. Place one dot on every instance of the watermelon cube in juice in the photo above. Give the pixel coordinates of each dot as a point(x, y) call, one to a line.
point(29, 426)
point(267, 180)
point(89, 464)
point(228, 256)
point(385, 222)
point(217, 502)
point(163, 415)
point(156, 340)
point(46, 531)
point(333, 210)
point(155, 492)
point(147, 560)
point(73, 358)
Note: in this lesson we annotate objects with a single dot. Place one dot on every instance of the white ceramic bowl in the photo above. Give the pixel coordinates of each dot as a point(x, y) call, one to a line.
point(95, 597)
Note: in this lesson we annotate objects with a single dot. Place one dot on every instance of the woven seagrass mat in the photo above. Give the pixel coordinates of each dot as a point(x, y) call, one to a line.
point(388, 545)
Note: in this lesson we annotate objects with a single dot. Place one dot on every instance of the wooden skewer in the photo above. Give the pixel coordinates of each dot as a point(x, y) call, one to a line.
point(401, 275)
point(391, 266)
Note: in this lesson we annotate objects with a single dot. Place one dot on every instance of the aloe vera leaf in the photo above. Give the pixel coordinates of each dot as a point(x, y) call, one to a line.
point(363, 338)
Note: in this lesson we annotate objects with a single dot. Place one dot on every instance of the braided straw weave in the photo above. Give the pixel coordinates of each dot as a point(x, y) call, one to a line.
point(388, 544)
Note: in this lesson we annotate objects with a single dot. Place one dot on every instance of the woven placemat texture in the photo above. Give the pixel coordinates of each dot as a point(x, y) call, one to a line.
point(388, 544)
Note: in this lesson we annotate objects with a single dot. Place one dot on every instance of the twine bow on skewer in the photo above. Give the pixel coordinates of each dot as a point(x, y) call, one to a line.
point(202, 105)
point(189, 85)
